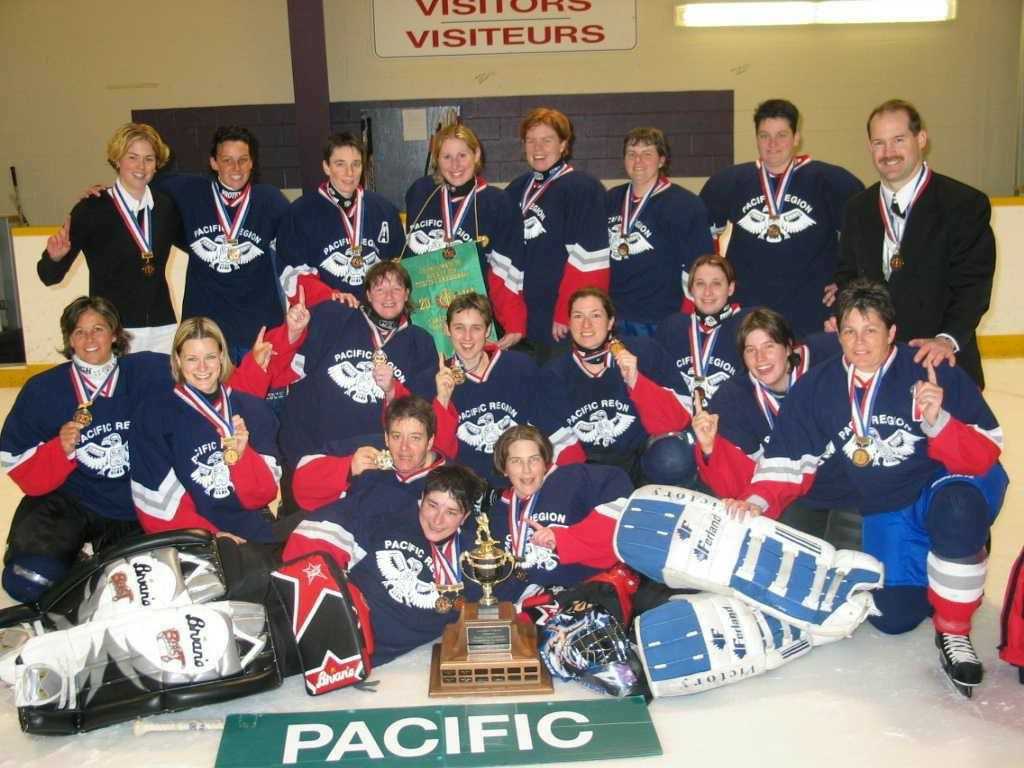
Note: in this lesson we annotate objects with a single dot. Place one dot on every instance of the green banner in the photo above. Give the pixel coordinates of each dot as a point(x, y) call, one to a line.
point(436, 280)
point(455, 735)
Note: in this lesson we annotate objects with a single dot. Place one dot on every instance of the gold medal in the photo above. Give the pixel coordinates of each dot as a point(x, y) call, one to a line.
point(896, 262)
point(774, 231)
point(380, 357)
point(230, 450)
point(458, 375)
point(147, 264)
point(356, 261)
point(448, 253)
point(82, 416)
point(384, 460)
point(861, 455)
point(443, 604)
point(615, 346)
point(623, 249)
point(484, 241)
point(458, 602)
point(234, 254)
point(520, 574)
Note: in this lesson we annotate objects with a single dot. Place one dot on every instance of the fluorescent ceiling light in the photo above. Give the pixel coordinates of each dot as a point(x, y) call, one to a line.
point(771, 14)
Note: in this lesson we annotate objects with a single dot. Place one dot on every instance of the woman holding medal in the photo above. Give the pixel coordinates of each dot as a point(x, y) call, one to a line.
point(655, 231)
point(614, 394)
point(701, 342)
point(65, 444)
point(204, 455)
point(565, 229)
point(456, 205)
point(329, 240)
point(126, 235)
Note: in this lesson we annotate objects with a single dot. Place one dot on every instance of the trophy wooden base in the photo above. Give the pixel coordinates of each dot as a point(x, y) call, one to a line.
point(488, 652)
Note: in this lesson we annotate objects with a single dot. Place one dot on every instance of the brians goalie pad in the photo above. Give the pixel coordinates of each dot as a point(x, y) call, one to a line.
point(686, 539)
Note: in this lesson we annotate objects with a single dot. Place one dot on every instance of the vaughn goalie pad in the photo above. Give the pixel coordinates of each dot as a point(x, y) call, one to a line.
point(696, 643)
point(686, 539)
point(147, 662)
point(328, 622)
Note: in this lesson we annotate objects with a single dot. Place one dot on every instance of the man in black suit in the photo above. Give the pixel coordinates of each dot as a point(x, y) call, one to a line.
point(925, 235)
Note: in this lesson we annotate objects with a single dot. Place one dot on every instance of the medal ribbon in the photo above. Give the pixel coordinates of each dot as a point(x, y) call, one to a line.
point(602, 356)
point(451, 222)
point(889, 217)
point(142, 236)
point(379, 337)
point(701, 355)
point(447, 571)
point(861, 412)
point(775, 201)
point(531, 195)
point(81, 384)
point(241, 206)
point(219, 417)
point(353, 226)
point(629, 219)
point(518, 522)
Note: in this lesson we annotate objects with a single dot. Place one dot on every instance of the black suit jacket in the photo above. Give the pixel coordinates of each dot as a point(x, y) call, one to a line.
point(949, 256)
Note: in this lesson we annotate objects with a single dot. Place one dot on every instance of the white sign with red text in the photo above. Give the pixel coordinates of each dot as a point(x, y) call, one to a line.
point(466, 27)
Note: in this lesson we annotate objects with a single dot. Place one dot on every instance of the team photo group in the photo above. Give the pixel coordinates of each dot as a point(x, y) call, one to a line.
point(713, 431)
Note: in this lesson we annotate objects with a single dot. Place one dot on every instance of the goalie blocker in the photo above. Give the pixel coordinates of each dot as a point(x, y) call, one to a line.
point(144, 628)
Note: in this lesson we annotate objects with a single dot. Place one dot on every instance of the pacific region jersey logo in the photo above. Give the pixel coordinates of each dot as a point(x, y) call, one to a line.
point(635, 242)
point(213, 475)
point(340, 264)
point(532, 228)
point(108, 458)
point(422, 241)
point(485, 431)
point(602, 430)
point(711, 382)
point(402, 580)
point(356, 380)
point(758, 223)
point(215, 253)
point(541, 558)
point(891, 452)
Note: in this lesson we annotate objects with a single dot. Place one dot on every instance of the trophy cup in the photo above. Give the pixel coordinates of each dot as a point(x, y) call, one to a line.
point(487, 651)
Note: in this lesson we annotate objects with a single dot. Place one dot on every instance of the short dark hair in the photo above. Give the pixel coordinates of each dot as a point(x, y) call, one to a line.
point(655, 138)
point(593, 293)
point(471, 300)
point(237, 133)
point(412, 407)
point(864, 295)
point(461, 483)
point(346, 139)
point(711, 260)
point(898, 105)
point(777, 108)
point(769, 321)
point(521, 432)
point(73, 312)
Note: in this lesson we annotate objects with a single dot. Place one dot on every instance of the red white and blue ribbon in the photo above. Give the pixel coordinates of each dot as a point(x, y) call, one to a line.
point(353, 223)
point(519, 514)
point(447, 571)
point(860, 412)
point(218, 413)
point(86, 391)
point(231, 224)
point(532, 194)
point(453, 220)
point(629, 217)
point(775, 200)
point(141, 235)
point(924, 177)
point(701, 353)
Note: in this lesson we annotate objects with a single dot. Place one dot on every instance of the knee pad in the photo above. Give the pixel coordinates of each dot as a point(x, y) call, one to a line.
point(668, 459)
point(903, 608)
point(958, 520)
point(26, 577)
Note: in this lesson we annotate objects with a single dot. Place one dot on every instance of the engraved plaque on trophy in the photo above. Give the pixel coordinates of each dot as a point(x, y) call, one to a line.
point(488, 650)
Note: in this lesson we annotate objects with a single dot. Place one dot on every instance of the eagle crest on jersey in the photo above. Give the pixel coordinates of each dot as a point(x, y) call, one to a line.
point(214, 477)
point(541, 558)
point(340, 265)
point(483, 434)
point(890, 452)
point(600, 430)
point(215, 253)
point(356, 380)
point(711, 383)
point(635, 241)
point(789, 223)
point(421, 241)
point(401, 579)
point(532, 228)
point(108, 459)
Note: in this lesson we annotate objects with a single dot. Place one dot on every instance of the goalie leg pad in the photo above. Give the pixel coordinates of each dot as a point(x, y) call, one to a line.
point(686, 539)
point(700, 642)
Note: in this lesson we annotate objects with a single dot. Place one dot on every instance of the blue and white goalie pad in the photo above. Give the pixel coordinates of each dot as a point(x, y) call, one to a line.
point(687, 539)
point(700, 642)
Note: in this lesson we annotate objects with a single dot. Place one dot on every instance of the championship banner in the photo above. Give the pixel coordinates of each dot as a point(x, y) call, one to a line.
point(436, 280)
point(461, 735)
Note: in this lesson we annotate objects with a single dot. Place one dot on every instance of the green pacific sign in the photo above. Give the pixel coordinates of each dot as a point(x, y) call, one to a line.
point(463, 735)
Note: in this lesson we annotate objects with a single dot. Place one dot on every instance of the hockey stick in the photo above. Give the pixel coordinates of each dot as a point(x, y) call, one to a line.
point(142, 727)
